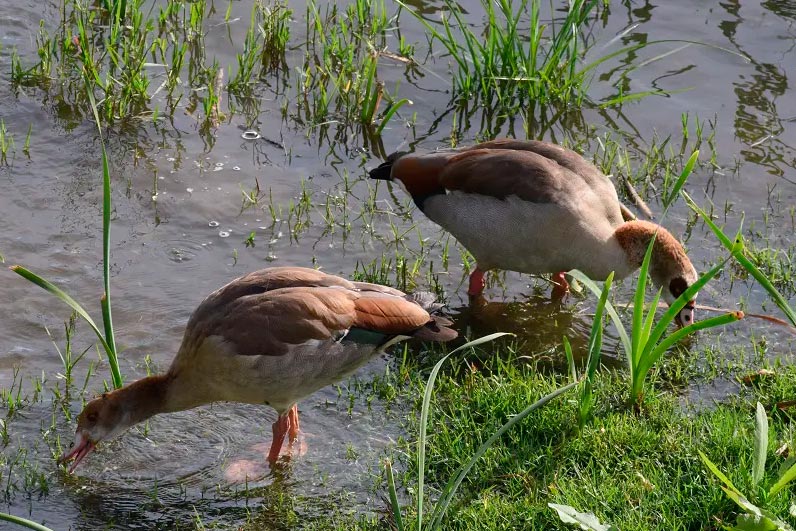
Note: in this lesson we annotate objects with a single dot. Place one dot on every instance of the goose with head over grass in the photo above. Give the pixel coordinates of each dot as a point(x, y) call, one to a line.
point(536, 207)
point(270, 337)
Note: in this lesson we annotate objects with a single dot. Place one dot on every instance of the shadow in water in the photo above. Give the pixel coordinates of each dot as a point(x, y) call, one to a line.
point(539, 325)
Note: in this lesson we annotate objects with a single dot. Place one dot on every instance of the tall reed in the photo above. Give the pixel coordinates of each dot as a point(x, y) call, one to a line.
point(106, 337)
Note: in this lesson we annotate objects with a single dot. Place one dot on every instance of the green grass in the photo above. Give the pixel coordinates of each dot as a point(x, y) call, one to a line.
point(638, 472)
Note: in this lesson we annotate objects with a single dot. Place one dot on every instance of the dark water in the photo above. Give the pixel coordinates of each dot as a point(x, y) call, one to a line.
point(178, 231)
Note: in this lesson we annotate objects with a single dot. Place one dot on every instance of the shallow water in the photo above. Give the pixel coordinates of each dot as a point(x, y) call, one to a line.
point(178, 231)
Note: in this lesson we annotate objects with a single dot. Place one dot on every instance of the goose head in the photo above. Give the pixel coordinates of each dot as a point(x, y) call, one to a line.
point(670, 268)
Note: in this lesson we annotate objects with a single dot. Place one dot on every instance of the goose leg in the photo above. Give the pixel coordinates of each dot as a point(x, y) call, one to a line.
point(293, 417)
point(560, 286)
point(280, 429)
point(477, 282)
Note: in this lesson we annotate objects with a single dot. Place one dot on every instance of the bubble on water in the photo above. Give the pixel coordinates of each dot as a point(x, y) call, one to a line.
point(155, 197)
point(219, 164)
point(270, 257)
point(171, 159)
point(236, 168)
point(172, 171)
point(213, 224)
point(279, 234)
point(250, 135)
point(189, 190)
point(223, 234)
point(219, 188)
point(258, 220)
point(218, 168)
point(263, 228)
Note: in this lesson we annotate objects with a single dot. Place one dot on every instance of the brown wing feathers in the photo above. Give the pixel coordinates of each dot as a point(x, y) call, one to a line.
point(259, 320)
point(532, 170)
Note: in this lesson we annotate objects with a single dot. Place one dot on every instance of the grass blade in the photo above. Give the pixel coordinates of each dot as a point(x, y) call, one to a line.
point(424, 413)
point(61, 294)
point(620, 328)
point(453, 485)
point(782, 482)
point(24, 522)
point(761, 445)
point(573, 372)
point(687, 169)
point(718, 473)
point(107, 318)
point(638, 340)
point(390, 112)
point(396, 509)
point(737, 253)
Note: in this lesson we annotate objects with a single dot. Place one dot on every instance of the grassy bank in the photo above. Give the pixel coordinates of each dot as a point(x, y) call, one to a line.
point(637, 471)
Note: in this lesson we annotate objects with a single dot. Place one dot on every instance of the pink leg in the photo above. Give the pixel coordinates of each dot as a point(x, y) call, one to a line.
point(561, 287)
point(280, 429)
point(477, 283)
point(292, 416)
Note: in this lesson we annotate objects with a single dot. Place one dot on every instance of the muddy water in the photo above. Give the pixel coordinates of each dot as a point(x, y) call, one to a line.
point(179, 227)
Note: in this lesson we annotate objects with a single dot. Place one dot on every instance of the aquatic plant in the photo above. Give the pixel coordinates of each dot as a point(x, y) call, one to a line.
point(515, 67)
point(737, 249)
point(106, 337)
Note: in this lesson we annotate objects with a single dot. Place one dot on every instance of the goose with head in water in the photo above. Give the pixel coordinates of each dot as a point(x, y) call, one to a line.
point(270, 337)
point(536, 207)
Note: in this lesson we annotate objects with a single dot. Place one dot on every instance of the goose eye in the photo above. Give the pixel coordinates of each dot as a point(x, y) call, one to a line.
point(677, 286)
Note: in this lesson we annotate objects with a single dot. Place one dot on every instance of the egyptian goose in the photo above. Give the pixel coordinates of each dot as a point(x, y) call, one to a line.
point(535, 207)
point(270, 337)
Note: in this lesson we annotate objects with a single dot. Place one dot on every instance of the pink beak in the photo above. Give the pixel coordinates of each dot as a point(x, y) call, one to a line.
point(80, 449)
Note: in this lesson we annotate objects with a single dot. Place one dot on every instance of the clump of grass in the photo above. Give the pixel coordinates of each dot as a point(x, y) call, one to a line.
point(756, 518)
point(449, 491)
point(339, 79)
point(263, 47)
point(513, 66)
point(646, 344)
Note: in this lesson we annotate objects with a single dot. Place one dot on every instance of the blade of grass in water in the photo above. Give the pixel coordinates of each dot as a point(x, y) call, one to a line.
point(736, 248)
point(24, 522)
point(105, 301)
point(687, 169)
point(390, 112)
point(58, 292)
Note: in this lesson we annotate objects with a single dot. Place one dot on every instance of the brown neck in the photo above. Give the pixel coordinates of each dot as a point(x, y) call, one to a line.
point(634, 237)
point(143, 398)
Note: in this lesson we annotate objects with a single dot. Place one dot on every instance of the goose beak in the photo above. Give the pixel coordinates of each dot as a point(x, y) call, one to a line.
point(80, 449)
point(686, 315)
